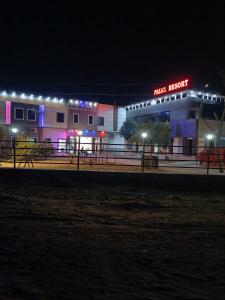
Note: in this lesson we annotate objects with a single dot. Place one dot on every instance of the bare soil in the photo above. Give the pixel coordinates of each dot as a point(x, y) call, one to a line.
point(97, 242)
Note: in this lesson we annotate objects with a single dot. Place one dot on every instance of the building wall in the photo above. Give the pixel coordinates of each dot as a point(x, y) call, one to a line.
point(121, 116)
point(54, 134)
point(25, 107)
point(50, 113)
point(185, 128)
point(106, 111)
point(179, 109)
point(83, 119)
point(2, 112)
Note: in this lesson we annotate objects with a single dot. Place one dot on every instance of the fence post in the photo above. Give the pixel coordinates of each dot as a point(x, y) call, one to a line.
point(14, 151)
point(208, 160)
point(143, 156)
point(78, 154)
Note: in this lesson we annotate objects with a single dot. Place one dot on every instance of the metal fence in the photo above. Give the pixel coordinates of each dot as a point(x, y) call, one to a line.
point(110, 157)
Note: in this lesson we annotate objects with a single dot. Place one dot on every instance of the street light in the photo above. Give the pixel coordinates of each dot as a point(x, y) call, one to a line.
point(14, 132)
point(143, 135)
point(209, 137)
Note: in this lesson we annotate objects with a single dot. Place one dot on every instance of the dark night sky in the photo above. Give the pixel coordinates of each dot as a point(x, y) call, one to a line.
point(121, 49)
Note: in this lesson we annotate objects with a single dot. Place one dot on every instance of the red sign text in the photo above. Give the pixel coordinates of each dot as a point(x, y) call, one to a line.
point(171, 87)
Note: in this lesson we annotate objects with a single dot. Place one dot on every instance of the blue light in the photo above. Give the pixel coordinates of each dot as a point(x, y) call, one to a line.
point(41, 115)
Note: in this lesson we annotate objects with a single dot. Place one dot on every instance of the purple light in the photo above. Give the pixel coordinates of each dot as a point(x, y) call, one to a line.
point(41, 115)
point(8, 112)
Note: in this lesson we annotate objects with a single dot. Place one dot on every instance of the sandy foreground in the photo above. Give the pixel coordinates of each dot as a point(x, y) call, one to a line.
point(96, 242)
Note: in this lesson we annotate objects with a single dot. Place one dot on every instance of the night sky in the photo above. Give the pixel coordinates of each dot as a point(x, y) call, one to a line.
point(121, 50)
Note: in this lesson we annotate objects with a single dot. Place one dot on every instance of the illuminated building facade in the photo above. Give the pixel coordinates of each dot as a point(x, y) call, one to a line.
point(181, 110)
point(58, 121)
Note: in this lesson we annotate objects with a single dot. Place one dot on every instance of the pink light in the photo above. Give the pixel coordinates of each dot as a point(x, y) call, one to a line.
point(8, 112)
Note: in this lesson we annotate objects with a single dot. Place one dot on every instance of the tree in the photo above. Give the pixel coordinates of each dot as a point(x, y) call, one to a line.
point(128, 128)
point(2, 135)
point(157, 133)
point(219, 125)
point(25, 147)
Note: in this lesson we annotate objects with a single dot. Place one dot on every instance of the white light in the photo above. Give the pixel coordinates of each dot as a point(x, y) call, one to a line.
point(209, 137)
point(55, 100)
point(71, 101)
point(13, 94)
point(31, 97)
point(14, 130)
point(153, 102)
point(48, 99)
point(144, 135)
point(22, 96)
point(40, 97)
point(76, 102)
point(61, 100)
point(90, 103)
point(95, 104)
point(80, 132)
point(4, 93)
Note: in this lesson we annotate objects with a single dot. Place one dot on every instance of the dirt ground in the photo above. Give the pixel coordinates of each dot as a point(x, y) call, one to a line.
point(96, 242)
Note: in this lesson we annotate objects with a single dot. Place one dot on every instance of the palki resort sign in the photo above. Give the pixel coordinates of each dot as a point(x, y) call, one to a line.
point(172, 87)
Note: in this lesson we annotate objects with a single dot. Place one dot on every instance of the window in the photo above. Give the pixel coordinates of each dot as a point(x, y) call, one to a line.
point(140, 105)
point(19, 114)
point(158, 101)
point(90, 120)
point(200, 96)
point(162, 100)
point(31, 115)
point(172, 98)
point(192, 114)
point(75, 118)
point(184, 95)
point(126, 108)
point(48, 140)
point(145, 104)
point(164, 116)
point(148, 103)
point(100, 121)
point(62, 145)
point(59, 117)
point(177, 96)
point(154, 117)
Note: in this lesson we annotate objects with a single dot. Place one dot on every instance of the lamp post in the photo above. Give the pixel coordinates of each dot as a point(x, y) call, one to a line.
point(14, 132)
point(143, 135)
point(80, 132)
point(209, 137)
